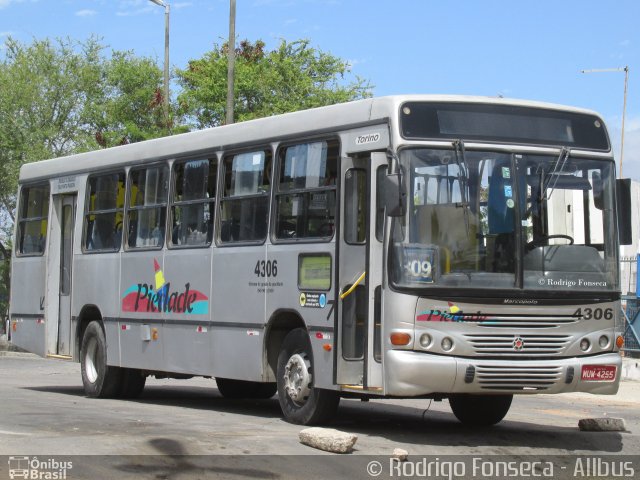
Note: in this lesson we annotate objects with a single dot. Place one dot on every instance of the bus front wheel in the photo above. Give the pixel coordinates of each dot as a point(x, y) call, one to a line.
point(99, 379)
point(480, 410)
point(300, 401)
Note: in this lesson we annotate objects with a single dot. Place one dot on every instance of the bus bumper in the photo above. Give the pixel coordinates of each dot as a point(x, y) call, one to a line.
point(410, 373)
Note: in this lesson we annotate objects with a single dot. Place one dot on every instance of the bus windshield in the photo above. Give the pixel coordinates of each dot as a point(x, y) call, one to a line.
point(495, 220)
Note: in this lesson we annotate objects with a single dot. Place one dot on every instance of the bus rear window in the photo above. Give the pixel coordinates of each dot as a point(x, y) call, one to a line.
point(33, 220)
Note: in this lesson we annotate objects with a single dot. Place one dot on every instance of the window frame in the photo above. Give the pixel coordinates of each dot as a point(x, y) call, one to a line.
point(213, 158)
point(362, 208)
point(297, 191)
point(222, 197)
point(21, 220)
point(87, 203)
point(128, 208)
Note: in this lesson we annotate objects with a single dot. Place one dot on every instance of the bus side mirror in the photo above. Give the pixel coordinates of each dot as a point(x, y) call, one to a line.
point(395, 195)
point(623, 200)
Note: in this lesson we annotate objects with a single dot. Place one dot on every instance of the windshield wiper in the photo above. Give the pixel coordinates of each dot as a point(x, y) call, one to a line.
point(558, 167)
point(463, 171)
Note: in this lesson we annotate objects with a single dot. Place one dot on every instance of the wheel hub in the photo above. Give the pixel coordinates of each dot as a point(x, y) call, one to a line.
point(90, 360)
point(297, 378)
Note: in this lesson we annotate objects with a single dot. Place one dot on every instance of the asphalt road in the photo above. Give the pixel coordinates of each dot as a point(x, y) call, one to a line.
point(44, 413)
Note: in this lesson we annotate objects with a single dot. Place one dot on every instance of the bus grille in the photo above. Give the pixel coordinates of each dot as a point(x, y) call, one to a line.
point(527, 345)
point(524, 321)
point(523, 378)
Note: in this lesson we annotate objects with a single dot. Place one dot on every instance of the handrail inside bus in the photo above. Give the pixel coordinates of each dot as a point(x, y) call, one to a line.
point(353, 287)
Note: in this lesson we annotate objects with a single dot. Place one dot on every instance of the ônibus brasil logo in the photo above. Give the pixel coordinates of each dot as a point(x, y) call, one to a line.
point(142, 297)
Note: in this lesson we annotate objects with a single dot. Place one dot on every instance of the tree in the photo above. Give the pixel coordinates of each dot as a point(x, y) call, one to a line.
point(292, 77)
point(62, 97)
point(129, 107)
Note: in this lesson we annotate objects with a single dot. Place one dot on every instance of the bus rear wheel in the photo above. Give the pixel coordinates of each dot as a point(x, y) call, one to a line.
point(99, 379)
point(480, 410)
point(300, 401)
point(230, 388)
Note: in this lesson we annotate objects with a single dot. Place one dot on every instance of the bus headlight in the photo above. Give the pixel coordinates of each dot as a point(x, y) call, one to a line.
point(447, 344)
point(603, 341)
point(585, 344)
point(425, 340)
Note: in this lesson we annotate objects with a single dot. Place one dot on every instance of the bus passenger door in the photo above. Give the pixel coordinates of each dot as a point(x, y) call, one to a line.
point(360, 274)
point(66, 270)
point(59, 274)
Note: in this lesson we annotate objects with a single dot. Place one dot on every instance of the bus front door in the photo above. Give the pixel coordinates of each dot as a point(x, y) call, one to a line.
point(360, 274)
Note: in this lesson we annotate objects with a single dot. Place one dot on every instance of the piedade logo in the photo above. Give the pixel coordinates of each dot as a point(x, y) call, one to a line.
point(143, 297)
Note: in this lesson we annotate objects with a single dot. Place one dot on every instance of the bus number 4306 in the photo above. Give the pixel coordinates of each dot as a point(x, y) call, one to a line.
point(267, 268)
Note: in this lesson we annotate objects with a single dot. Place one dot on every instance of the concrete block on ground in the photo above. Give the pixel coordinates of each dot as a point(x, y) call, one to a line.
point(400, 454)
point(604, 424)
point(328, 439)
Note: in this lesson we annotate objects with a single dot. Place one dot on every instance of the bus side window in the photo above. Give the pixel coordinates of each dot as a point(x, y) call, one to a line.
point(104, 212)
point(245, 202)
point(306, 191)
point(33, 220)
point(147, 206)
point(192, 202)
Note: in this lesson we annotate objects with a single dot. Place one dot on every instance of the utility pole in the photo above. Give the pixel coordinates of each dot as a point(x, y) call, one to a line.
point(166, 59)
point(624, 69)
point(231, 55)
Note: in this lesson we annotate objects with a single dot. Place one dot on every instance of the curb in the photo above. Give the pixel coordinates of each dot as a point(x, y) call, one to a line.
point(5, 353)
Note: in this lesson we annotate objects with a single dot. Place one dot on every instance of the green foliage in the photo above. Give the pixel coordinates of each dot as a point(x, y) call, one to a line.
point(129, 107)
point(62, 97)
point(294, 76)
point(65, 96)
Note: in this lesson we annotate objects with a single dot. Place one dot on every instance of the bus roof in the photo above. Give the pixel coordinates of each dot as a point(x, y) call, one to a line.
point(254, 132)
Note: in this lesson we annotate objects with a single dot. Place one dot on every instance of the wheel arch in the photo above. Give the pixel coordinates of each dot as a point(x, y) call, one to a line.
point(279, 325)
point(88, 314)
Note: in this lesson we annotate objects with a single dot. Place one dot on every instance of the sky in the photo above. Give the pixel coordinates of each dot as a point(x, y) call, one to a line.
point(531, 50)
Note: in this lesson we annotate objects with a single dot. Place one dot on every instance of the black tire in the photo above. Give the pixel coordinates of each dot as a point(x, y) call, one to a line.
point(314, 406)
point(99, 379)
point(480, 410)
point(133, 381)
point(230, 388)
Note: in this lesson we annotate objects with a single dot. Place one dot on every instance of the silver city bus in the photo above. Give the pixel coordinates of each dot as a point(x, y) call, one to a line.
point(408, 246)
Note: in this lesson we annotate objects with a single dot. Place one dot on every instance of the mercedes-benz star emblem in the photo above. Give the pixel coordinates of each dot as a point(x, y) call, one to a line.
point(518, 344)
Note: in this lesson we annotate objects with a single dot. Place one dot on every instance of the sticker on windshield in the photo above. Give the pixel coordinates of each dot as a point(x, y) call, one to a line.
point(419, 264)
point(508, 192)
point(510, 203)
point(506, 173)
